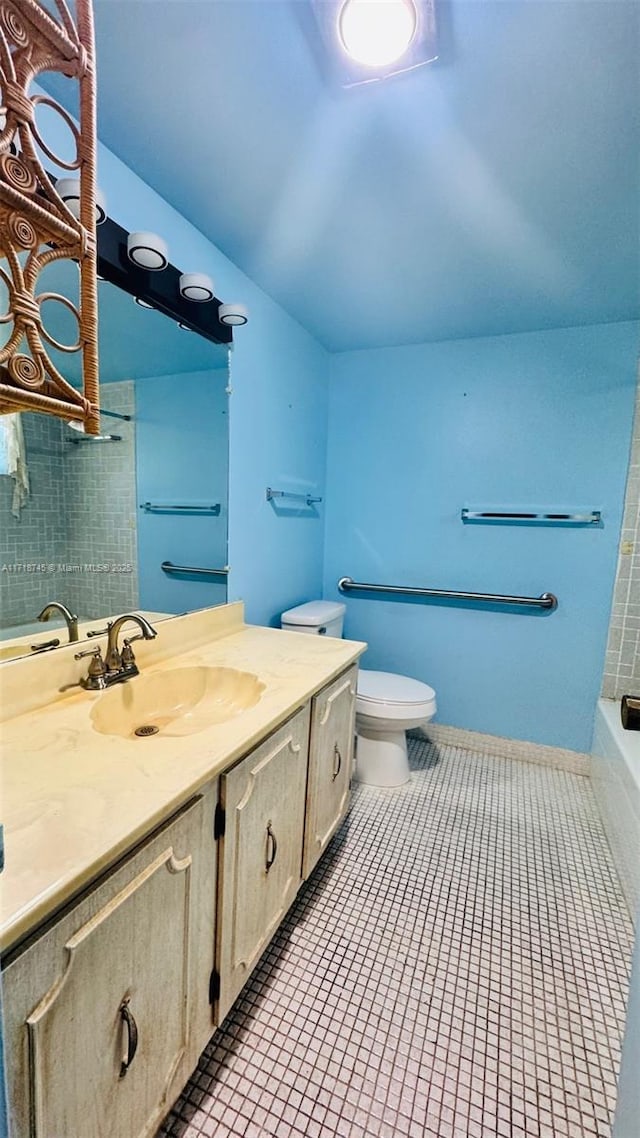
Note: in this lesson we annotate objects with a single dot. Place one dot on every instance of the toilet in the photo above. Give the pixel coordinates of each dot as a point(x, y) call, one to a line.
point(387, 705)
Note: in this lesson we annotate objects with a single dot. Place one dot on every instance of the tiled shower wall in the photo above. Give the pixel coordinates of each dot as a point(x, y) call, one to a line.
point(100, 485)
point(622, 662)
point(37, 537)
point(79, 518)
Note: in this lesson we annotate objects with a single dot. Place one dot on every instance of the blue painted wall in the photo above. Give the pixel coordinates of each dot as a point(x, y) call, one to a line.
point(182, 458)
point(278, 412)
point(415, 433)
point(540, 419)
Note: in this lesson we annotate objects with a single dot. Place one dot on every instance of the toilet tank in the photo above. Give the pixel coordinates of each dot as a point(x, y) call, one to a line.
point(320, 618)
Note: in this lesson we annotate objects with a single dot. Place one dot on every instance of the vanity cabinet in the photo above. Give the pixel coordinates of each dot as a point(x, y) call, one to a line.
point(262, 802)
point(106, 1012)
point(330, 762)
point(110, 1004)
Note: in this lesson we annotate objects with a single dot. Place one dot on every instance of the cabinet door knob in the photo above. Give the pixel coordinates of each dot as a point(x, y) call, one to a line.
point(337, 762)
point(132, 1037)
point(272, 848)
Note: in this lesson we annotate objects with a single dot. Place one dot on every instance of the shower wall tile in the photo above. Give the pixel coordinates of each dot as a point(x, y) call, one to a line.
point(76, 539)
point(622, 661)
point(100, 489)
point(32, 546)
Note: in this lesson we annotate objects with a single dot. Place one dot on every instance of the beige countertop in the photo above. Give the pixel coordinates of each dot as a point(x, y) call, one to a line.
point(74, 800)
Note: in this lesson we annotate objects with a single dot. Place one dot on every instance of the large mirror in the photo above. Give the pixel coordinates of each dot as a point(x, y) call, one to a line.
point(137, 518)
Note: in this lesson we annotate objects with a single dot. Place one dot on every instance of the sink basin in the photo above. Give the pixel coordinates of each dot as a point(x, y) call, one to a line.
point(14, 650)
point(181, 701)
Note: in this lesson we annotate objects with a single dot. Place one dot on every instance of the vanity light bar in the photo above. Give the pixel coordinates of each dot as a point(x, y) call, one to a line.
point(157, 289)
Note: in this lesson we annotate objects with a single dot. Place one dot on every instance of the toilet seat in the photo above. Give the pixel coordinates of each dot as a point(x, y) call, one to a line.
point(385, 695)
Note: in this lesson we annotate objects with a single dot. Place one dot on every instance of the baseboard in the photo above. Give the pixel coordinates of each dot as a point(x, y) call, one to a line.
point(559, 757)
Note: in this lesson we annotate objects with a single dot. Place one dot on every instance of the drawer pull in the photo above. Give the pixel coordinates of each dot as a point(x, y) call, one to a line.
point(337, 762)
point(272, 848)
point(132, 1037)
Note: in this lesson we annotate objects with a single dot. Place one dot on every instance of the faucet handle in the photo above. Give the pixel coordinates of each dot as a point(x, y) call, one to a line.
point(127, 655)
point(96, 676)
point(97, 632)
point(88, 652)
point(45, 645)
point(97, 667)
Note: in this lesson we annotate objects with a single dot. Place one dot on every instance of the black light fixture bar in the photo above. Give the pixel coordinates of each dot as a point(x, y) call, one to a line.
point(161, 289)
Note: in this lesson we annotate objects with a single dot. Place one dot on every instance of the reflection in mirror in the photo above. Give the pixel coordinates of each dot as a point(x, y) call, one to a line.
point(83, 535)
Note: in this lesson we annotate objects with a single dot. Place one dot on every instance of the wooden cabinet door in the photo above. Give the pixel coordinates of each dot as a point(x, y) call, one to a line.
point(263, 799)
point(100, 1010)
point(330, 761)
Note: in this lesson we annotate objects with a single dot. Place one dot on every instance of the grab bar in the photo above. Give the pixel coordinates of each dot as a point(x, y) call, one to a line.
point(169, 567)
point(151, 507)
point(545, 601)
point(307, 498)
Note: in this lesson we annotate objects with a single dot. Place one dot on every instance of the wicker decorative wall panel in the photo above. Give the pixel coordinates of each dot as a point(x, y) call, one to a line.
point(36, 226)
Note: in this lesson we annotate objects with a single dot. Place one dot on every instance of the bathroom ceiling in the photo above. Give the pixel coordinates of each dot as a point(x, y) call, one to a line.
point(495, 191)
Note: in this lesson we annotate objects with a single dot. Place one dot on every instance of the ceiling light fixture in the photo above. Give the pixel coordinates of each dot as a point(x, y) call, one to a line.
point(148, 251)
point(234, 314)
point(368, 41)
point(141, 302)
point(196, 286)
point(377, 33)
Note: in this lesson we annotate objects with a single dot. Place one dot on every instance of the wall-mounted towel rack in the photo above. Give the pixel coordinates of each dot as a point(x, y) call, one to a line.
point(169, 567)
point(545, 601)
point(308, 499)
point(115, 415)
point(94, 439)
point(167, 508)
point(592, 518)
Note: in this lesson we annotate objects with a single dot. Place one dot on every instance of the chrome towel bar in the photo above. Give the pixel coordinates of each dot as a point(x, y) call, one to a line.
point(169, 567)
point(545, 601)
point(153, 507)
point(308, 499)
point(593, 518)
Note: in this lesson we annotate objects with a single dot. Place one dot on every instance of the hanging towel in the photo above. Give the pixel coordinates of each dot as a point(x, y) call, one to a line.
point(13, 459)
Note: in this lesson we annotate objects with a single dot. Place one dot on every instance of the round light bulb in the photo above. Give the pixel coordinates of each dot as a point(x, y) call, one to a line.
point(69, 190)
point(196, 286)
point(377, 32)
point(148, 251)
point(233, 314)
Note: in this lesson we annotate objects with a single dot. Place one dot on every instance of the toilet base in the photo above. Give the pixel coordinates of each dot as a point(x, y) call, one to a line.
point(381, 757)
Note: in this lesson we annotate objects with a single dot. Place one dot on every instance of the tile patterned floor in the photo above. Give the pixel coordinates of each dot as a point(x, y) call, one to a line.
point(455, 968)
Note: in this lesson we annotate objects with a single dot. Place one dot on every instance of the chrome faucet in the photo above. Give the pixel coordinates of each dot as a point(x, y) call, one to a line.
point(117, 665)
point(71, 620)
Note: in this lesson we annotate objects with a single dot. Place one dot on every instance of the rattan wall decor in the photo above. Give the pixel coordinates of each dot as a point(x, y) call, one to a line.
point(36, 226)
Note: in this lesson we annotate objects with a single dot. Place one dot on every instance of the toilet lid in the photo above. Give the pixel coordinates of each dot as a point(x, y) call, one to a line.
point(386, 687)
point(314, 613)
